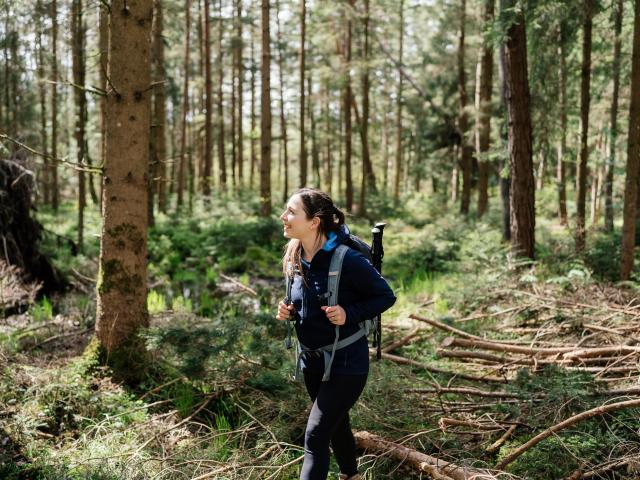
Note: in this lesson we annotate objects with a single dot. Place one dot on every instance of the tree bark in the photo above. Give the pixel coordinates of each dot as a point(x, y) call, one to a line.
point(633, 156)
point(398, 166)
point(122, 281)
point(303, 146)
point(346, 107)
point(208, 104)
point(284, 140)
point(77, 40)
point(265, 117)
point(585, 98)
point(55, 195)
point(43, 104)
point(315, 152)
point(368, 175)
point(240, 77)
point(483, 107)
point(562, 142)
point(221, 154)
point(185, 107)
point(522, 189)
point(254, 156)
point(463, 121)
point(613, 135)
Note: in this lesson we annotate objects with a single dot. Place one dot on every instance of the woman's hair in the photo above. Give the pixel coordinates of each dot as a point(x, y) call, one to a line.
point(315, 203)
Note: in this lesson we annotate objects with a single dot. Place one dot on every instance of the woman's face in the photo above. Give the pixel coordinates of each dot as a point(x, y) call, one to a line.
point(295, 221)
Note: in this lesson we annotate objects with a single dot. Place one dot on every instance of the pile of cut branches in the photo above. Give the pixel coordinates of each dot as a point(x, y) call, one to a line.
point(570, 359)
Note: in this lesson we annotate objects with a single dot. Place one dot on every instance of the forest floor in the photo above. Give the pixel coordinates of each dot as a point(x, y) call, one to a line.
point(481, 357)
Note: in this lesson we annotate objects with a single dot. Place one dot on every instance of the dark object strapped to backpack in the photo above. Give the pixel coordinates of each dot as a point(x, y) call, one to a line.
point(373, 253)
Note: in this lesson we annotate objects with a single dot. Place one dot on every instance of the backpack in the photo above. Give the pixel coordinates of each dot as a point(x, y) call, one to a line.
point(335, 269)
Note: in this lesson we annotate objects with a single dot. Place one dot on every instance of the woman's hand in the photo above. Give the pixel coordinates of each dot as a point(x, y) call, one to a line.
point(285, 311)
point(336, 315)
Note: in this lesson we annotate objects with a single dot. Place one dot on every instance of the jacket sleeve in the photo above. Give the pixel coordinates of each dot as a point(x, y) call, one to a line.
point(375, 295)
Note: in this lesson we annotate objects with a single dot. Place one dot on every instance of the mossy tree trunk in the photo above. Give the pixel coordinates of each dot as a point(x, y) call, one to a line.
point(122, 282)
point(265, 118)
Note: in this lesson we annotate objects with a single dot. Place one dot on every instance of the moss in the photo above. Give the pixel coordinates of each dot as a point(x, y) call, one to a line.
point(113, 276)
point(126, 232)
point(128, 361)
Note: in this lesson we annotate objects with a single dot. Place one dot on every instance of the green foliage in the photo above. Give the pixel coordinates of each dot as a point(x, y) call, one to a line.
point(42, 311)
point(156, 302)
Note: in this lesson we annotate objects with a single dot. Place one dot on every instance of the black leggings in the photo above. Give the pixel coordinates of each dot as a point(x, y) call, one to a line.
point(329, 423)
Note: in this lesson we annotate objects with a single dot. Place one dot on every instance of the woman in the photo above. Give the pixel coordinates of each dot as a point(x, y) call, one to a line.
point(315, 228)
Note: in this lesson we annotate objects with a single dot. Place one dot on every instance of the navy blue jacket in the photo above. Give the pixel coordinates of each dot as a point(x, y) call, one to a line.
point(362, 292)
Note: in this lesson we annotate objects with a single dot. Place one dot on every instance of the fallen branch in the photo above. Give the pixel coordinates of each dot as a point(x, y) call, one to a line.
point(414, 363)
point(464, 391)
point(599, 352)
point(495, 446)
point(59, 336)
point(437, 468)
point(402, 342)
point(602, 409)
point(444, 326)
point(237, 283)
point(503, 347)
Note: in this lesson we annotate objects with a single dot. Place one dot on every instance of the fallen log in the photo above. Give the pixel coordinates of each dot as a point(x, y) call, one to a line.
point(504, 347)
point(601, 351)
point(424, 366)
point(464, 391)
point(564, 424)
point(437, 468)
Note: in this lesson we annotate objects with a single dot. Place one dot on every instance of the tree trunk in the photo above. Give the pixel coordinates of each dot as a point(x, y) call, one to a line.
point(55, 195)
point(233, 108)
point(398, 166)
point(283, 121)
point(562, 143)
point(43, 104)
point(368, 176)
point(103, 44)
point(185, 106)
point(208, 104)
point(315, 152)
point(122, 282)
point(240, 73)
point(347, 116)
point(613, 136)
point(254, 157)
point(483, 106)
point(303, 146)
point(221, 154)
point(463, 121)
point(633, 156)
point(328, 170)
point(585, 97)
point(522, 190)
point(77, 40)
point(265, 118)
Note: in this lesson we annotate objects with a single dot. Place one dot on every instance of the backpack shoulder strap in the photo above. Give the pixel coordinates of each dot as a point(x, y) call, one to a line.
point(335, 270)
